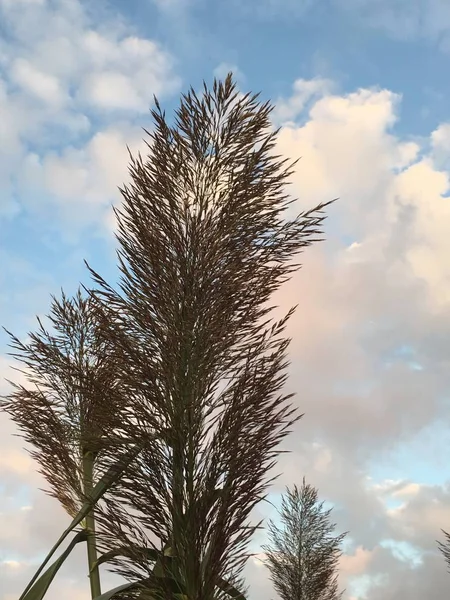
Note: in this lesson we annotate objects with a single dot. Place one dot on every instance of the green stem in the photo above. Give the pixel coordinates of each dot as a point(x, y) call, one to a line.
point(94, 573)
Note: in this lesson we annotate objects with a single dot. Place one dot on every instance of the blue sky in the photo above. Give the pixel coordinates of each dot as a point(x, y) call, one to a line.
point(361, 90)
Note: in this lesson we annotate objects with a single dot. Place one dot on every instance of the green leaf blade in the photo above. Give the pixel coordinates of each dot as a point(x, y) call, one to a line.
point(38, 590)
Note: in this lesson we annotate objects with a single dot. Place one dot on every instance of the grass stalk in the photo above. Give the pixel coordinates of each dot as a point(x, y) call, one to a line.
point(94, 573)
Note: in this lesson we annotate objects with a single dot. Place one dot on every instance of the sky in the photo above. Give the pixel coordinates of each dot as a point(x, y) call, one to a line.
point(360, 91)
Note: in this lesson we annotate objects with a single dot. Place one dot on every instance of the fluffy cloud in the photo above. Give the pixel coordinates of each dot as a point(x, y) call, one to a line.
point(222, 70)
point(53, 87)
point(287, 109)
point(81, 183)
point(105, 66)
point(42, 85)
point(370, 350)
point(125, 73)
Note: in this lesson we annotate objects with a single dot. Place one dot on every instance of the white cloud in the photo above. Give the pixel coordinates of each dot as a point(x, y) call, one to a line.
point(304, 91)
point(97, 65)
point(355, 563)
point(86, 177)
point(111, 90)
point(345, 137)
point(357, 307)
point(126, 73)
point(222, 70)
point(348, 151)
point(440, 145)
point(39, 84)
point(54, 85)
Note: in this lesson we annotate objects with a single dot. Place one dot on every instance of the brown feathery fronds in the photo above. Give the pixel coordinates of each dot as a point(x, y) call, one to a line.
point(76, 402)
point(303, 555)
point(72, 417)
point(203, 246)
point(444, 548)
